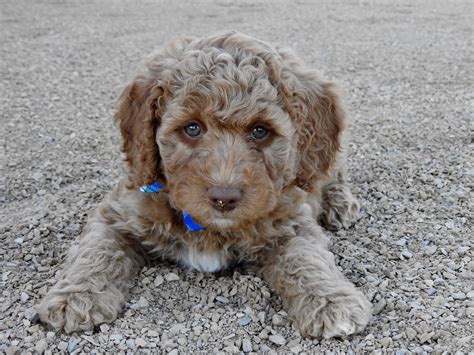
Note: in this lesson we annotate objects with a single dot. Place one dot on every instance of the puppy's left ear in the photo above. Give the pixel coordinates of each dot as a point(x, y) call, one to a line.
point(319, 115)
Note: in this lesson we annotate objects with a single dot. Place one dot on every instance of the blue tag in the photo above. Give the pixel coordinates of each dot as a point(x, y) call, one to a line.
point(192, 226)
point(155, 187)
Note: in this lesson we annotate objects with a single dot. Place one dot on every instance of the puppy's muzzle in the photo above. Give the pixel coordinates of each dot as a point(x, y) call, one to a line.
point(224, 198)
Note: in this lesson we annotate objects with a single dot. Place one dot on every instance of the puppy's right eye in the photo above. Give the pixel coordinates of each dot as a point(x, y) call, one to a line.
point(193, 130)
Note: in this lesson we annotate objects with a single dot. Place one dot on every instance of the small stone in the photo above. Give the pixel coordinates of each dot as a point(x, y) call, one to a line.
point(171, 277)
point(142, 302)
point(429, 283)
point(246, 345)
point(222, 299)
point(411, 333)
point(296, 349)
point(266, 294)
point(460, 296)
point(401, 242)
point(130, 343)
point(244, 321)
point(278, 320)
point(379, 306)
point(449, 224)
point(449, 275)
point(263, 334)
point(451, 318)
point(152, 334)
point(431, 291)
point(158, 280)
point(117, 338)
point(465, 340)
point(386, 342)
point(12, 350)
point(62, 346)
point(173, 352)
point(24, 297)
point(277, 339)
point(104, 328)
point(407, 254)
point(215, 317)
point(30, 314)
point(41, 346)
point(177, 328)
point(72, 345)
point(19, 241)
point(370, 279)
point(430, 250)
point(140, 342)
point(425, 337)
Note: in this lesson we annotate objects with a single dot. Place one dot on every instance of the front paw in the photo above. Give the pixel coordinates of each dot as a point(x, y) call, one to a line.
point(79, 308)
point(340, 208)
point(331, 316)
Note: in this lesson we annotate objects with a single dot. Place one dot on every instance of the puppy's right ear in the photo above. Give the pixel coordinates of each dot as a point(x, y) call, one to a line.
point(138, 117)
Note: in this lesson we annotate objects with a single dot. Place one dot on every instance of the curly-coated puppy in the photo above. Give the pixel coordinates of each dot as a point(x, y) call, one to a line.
point(233, 153)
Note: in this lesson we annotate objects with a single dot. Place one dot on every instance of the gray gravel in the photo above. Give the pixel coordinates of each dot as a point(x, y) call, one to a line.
point(407, 68)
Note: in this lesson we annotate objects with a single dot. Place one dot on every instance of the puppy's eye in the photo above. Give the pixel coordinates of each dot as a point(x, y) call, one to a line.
point(193, 130)
point(259, 132)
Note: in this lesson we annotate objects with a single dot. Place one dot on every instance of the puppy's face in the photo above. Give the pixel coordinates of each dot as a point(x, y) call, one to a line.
point(227, 122)
point(226, 150)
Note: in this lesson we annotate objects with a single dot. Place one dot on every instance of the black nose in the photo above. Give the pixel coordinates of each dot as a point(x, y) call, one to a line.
point(224, 198)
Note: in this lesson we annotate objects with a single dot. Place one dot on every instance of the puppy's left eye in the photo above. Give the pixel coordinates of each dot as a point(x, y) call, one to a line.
point(193, 130)
point(259, 132)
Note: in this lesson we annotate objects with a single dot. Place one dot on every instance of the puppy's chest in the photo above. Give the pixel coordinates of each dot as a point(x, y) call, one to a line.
point(203, 260)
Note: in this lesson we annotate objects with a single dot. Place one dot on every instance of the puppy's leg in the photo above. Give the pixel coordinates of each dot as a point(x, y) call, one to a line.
point(339, 208)
point(320, 301)
point(93, 285)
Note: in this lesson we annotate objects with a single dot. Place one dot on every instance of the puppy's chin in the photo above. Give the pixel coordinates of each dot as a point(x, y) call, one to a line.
point(222, 223)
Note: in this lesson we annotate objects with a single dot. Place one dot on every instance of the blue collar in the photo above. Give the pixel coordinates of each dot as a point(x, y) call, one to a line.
point(188, 220)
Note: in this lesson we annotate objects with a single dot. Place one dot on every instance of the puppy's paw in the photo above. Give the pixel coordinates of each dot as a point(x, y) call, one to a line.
point(340, 207)
point(332, 316)
point(71, 310)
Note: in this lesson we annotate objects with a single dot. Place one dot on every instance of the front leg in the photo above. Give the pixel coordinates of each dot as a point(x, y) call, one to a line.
point(93, 286)
point(320, 301)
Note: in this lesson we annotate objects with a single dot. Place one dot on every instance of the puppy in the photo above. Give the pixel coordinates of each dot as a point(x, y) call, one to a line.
point(233, 152)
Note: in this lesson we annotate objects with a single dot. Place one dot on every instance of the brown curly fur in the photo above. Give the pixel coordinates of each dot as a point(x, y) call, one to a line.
point(227, 83)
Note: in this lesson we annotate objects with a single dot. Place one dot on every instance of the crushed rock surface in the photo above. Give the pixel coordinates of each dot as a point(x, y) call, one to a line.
point(407, 69)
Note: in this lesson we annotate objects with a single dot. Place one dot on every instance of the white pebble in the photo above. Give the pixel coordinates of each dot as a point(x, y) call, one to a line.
point(142, 302)
point(171, 277)
point(158, 280)
point(24, 297)
point(152, 334)
point(460, 296)
point(130, 343)
point(277, 339)
point(140, 342)
point(246, 345)
point(41, 346)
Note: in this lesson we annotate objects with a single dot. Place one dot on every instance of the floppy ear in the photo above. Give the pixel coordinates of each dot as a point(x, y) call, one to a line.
point(319, 116)
point(138, 117)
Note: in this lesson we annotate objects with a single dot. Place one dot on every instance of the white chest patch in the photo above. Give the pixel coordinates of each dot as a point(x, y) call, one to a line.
point(204, 262)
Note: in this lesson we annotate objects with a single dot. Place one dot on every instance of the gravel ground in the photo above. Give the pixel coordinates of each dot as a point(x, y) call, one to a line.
point(407, 69)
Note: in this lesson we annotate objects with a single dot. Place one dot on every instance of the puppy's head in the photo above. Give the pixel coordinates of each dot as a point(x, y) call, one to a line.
point(228, 123)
